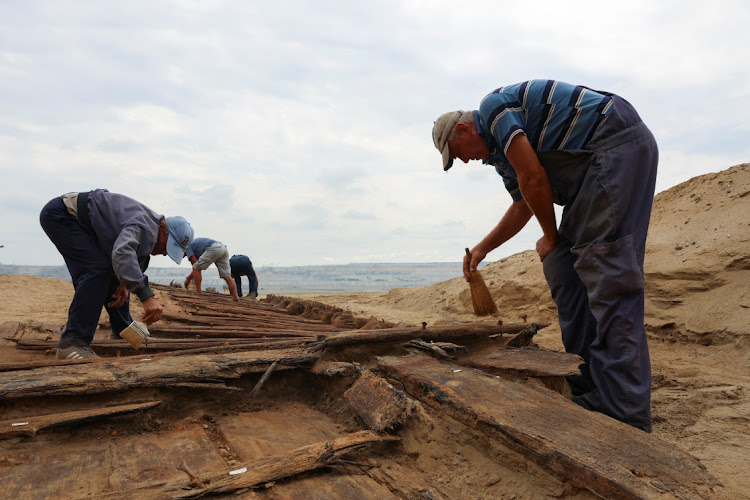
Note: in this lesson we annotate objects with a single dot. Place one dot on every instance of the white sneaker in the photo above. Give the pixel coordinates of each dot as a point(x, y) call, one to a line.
point(76, 352)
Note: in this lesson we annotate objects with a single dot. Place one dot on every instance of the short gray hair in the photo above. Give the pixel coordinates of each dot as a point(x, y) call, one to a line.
point(466, 117)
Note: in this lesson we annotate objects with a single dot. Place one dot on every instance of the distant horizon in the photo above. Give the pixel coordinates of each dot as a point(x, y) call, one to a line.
point(325, 278)
point(273, 266)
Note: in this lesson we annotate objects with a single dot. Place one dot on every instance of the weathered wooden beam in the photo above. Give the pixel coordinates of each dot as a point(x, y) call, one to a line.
point(248, 331)
point(406, 484)
point(436, 349)
point(381, 406)
point(211, 386)
point(304, 459)
point(263, 379)
point(30, 365)
point(334, 368)
point(29, 426)
point(115, 374)
point(524, 337)
point(442, 332)
point(152, 345)
point(593, 451)
point(248, 346)
point(528, 361)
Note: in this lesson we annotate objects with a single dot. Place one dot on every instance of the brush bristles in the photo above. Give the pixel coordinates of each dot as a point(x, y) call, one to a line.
point(135, 334)
point(480, 296)
point(132, 337)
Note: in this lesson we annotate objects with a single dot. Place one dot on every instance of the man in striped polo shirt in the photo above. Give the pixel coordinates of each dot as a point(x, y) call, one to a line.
point(589, 151)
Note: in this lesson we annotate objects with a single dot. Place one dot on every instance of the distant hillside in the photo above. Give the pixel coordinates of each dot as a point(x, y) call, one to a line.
point(299, 279)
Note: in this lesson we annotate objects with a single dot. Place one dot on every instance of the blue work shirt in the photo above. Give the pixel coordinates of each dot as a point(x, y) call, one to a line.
point(555, 116)
point(198, 246)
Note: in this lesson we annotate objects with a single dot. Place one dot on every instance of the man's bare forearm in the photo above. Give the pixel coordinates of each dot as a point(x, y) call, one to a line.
point(532, 179)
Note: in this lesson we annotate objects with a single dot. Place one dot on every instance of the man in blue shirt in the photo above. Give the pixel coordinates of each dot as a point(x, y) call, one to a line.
point(203, 252)
point(589, 151)
point(106, 240)
point(241, 266)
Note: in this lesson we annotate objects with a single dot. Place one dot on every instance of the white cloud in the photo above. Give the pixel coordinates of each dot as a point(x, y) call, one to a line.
point(300, 133)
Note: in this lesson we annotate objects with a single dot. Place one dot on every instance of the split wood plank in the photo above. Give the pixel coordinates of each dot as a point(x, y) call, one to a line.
point(152, 344)
point(29, 426)
point(244, 310)
point(30, 365)
point(591, 450)
point(409, 484)
point(528, 361)
point(248, 346)
point(442, 333)
point(304, 459)
point(115, 374)
point(247, 332)
point(334, 368)
point(381, 406)
point(85, 467)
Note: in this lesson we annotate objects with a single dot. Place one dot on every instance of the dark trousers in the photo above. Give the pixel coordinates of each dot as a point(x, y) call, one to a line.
point(595, 275)
point(91, 270)
point(252, 280)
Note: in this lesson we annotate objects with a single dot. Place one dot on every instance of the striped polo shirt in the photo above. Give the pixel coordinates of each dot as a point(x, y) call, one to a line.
point(554, 116)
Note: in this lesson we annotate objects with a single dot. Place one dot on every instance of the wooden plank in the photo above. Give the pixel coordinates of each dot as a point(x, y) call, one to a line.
point(333, 368)
point(591, 450)
point(442, 333)
point(333, 486)
point(49, 467)
point(115, 374)
point(263, 471)
point(381, 406)
point(528, 361)
point(29, 426)
point(152, 345)
point(256, 435)
point(250, 329)
point(409, 485)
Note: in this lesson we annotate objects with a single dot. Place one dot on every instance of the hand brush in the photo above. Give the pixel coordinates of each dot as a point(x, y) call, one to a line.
point(135, 334)
point(480, 294)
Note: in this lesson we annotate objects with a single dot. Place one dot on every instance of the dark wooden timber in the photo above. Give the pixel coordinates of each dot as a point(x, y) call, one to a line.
point(263, 379)
point(29, 426)
point(524, 337)
point(593, 451)
point(528, 361)
point(306, 458)
point(380, 405)
point(115, 374)
point(437, 333)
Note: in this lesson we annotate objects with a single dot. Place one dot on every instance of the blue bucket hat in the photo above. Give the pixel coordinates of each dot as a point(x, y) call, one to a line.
point(180, 236)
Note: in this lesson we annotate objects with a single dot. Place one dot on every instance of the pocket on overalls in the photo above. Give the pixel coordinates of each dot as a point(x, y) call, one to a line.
point(611, 269)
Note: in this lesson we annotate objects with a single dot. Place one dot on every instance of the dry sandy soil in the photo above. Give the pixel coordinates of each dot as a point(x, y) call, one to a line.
point(697, 319)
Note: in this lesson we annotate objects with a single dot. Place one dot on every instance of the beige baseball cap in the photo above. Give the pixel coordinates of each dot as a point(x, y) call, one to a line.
point(441, 130)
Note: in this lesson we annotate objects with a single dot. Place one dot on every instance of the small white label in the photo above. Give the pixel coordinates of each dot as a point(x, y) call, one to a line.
point(238, 471)
point(19, 423)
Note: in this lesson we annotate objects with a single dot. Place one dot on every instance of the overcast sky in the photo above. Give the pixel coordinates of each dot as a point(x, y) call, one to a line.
point(299, 132)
